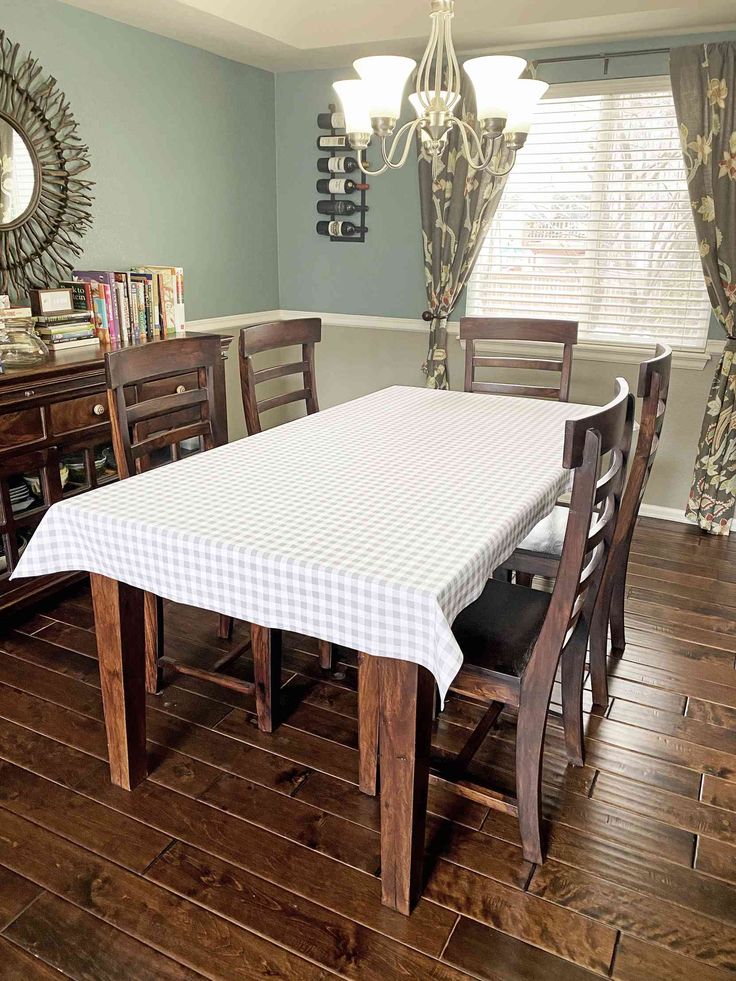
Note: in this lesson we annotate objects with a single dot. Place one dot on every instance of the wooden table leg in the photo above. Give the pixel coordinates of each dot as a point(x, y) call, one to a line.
point(266, 645)
point(406, 705)
point(154, 620)
point(119, 622)
point(368, 713)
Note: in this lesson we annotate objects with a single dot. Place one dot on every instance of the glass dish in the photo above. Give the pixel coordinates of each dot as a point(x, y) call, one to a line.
point(20, 345)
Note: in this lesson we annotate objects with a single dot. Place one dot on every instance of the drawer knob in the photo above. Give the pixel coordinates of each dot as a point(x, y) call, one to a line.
point(180, 389)
point(99, 409)
point(29, 392)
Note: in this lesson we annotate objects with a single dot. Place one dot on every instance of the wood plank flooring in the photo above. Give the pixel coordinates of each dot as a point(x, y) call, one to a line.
point(254, 856)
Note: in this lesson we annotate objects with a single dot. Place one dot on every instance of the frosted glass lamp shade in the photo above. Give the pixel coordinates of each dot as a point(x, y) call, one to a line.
point(354, 100)
point(523, 97)
point(385, 78)
point(491, 76)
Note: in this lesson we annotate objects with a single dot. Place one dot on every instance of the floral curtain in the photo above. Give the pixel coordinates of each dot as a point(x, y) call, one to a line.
point(457, 206)
point(704, 89)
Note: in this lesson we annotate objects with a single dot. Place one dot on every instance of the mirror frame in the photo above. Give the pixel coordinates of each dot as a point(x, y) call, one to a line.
point(33, 203)
point(40, 246)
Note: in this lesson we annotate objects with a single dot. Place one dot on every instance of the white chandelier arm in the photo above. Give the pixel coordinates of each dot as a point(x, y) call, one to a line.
point(483, 162)
point(425, 67)
point(409, 129)
point(371, 173)
point(439, 57)
point(455, 65)
point(453, 68)
point(464, 130)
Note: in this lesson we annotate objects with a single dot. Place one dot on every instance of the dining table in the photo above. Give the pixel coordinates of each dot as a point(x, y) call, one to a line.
point(370, 524)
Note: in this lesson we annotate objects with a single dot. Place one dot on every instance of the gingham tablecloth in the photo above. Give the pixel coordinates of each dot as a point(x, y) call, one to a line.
point(371, 524)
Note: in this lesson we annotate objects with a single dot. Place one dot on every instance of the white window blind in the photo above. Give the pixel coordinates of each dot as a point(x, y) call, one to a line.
point(594, 224)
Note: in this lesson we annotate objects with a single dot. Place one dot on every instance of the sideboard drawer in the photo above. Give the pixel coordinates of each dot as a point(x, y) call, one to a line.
point(23, 426)
point(67, 417)
point(168, 386)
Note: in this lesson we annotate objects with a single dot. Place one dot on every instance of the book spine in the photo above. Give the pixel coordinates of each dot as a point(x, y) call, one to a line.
point(148, 290)
point(141, 296)
point(133, 310)
point(112, 326)
point(124, 280)
point(67, 338)
point(101, 314)
point(180, 318)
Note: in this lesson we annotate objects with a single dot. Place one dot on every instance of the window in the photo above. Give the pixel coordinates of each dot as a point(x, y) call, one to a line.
point(594, 224)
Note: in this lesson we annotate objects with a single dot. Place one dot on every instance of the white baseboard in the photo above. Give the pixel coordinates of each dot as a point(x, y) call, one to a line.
point(213, 324)
point(664, 514)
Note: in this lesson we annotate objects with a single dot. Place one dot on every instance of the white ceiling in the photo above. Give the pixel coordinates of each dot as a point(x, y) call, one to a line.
point(291, 34)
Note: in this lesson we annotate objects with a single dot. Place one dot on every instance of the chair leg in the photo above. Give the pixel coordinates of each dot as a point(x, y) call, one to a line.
point(325, 655)
point(524, 579)
point(225, 627)
point(573, 674)
point(153, 618)
point(529, 754)
point(616, 616)
point(368, 715)
point(599, 650)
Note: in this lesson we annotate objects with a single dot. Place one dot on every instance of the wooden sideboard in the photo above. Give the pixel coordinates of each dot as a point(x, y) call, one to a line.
point(57, 411)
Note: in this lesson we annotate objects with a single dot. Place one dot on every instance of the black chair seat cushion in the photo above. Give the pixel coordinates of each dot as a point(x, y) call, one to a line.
point(498, 631)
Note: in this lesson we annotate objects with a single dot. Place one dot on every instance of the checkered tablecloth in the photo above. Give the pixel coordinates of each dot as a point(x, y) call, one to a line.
point(371, 524)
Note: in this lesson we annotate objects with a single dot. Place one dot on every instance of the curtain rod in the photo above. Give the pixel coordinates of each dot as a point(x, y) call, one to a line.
point(605, 56)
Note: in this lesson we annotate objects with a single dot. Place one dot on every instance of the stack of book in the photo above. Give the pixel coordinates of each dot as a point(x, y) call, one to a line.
point(145, 303)
point(67, 330)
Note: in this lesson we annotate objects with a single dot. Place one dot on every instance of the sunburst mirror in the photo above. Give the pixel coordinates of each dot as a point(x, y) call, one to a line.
point(45, 204)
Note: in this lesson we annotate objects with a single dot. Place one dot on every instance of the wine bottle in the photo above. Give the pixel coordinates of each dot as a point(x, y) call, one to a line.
point(339, 185)
point(331, 120)
point(340, 207)
point(339, 229)
point(337, 165)
point(333, 143)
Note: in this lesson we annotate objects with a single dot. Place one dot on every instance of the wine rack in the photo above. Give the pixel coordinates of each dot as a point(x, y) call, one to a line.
point(359, 217)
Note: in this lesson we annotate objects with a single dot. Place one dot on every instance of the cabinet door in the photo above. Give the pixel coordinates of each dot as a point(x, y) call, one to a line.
point(29, 484)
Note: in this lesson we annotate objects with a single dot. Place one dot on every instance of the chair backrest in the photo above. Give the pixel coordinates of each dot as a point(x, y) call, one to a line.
point(271, 337)
point(563, 332)
point(653, 389)
point(159, 397)
point(601, 437)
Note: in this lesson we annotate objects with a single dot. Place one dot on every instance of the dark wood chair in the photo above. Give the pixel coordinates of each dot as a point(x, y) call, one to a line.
point(539, 553)
point(156, 403)
point(274, 336)
point(513, 638)
point(563, 332)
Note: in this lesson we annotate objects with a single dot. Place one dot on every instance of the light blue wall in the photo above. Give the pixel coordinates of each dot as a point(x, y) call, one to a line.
point(385, 276)
point(182, 148)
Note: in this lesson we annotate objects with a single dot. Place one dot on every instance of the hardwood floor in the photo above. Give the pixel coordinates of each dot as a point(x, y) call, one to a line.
point(248, 855)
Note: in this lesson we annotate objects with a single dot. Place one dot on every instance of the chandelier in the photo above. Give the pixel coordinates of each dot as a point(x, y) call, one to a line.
point(504, 102)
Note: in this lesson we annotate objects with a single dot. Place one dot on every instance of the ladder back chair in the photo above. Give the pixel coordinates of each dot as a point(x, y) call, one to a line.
point(271, 337)
point(539, 553)
point(156, 404)
point(274, 336)
point(563, 332)
point(513, 638)
point(653, 389)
